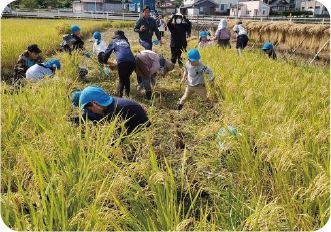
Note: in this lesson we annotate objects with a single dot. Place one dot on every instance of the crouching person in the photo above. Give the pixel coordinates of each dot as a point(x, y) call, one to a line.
point(269, 50)
point(73, 41)
point(26, 60)
point(94, 99)
point(126, 63)
point(147, 65)
point(39, 71)
point(86, 113)
point(194, 70)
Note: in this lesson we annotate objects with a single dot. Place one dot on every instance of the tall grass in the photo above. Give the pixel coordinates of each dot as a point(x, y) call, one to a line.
point(276, 176)
point(17, 34)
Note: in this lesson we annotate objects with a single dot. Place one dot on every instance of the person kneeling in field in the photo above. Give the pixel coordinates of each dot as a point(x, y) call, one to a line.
point(86, 113)
point(269, 50)
point(126, 63)
point(26, 60)
point(39, 71)
point(194, 70)
point(72, 41)
point(94, 99)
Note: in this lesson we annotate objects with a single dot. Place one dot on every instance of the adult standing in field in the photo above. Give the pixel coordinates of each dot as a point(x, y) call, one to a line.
point(146, 26)
point(242, 38)
point(178, 26)
point(94, 99)
point(126, 62)
point(223, 34)
point(40, 71)
point(26, 60)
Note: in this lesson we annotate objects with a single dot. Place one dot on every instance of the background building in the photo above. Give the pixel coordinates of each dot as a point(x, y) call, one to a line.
point(316, 7)
point(250, 9)
point(201, 7)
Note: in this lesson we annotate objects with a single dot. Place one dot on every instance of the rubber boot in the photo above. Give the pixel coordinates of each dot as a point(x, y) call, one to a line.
point(149, 95)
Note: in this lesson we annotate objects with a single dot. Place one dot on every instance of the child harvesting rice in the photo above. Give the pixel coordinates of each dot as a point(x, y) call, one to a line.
point(97, 101)
point(204, 42)
point(99, 45)
point(269, 50)
point(194, 70)
point(39, 71)
point(72, 41)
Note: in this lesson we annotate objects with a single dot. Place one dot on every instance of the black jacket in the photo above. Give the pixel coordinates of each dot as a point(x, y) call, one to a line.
point(178, 33)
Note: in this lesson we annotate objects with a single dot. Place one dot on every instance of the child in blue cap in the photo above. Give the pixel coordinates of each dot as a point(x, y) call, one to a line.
point(86, 113)
point(99, 45)
point(194, 70)
point(204, 42)
point(39, 71)
point(269, 50)
point(94, 99)
point(72, 41)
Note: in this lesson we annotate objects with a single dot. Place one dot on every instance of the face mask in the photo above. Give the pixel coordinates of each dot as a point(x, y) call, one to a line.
point(178, 21)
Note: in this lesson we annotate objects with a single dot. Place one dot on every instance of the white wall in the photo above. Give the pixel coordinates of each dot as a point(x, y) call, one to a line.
point(249, 9)
point(189, 2)
point(315, 6)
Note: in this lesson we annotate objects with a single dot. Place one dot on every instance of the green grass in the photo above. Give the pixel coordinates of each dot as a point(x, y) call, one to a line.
point(59, 176)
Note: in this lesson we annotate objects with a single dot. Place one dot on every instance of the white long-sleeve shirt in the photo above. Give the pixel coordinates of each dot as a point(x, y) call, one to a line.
point(37, 72)
point(101, 47)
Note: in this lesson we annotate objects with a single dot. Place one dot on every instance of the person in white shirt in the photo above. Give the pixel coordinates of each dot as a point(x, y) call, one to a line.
point(39, 71)
point(99, 45)
point(161, 25)
point(242, 38)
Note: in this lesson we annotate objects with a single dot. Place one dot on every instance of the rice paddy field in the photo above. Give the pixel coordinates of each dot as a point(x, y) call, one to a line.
point(57, 175)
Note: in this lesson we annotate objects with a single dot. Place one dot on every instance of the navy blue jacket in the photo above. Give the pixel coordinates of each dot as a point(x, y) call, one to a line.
point(129, 110)
point(122, 50)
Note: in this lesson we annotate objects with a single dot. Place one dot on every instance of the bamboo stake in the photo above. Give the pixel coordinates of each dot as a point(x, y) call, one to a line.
point(297, 48)
point(319, 52)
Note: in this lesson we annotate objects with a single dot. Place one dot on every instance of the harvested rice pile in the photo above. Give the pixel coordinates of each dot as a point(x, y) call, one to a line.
point(289, 34)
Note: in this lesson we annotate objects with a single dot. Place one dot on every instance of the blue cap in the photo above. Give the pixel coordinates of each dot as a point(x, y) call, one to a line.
point(97, 35)
point(75, 28)
point(193, 55)
point(75, 98)
point(53, 63)
point(267, 46)
point(203, 34)
point(94, 93)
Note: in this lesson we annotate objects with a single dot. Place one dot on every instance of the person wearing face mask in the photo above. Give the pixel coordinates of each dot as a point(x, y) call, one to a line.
point(146, 26)
point(94, 99)
point(178, 26)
